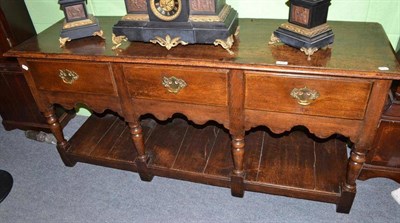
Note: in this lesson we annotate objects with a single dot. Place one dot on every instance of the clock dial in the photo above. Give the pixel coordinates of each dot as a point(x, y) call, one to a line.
point(166, 10)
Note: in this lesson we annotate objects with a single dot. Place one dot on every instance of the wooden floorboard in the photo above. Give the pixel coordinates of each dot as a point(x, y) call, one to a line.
point(253, 154)
point(220, 161)
point(124, 148)
point(111, 148)
point(165, 142)
point(89, 135)
point(107, 142)
point(196, 149)
point(287, 160)
point(331, 157)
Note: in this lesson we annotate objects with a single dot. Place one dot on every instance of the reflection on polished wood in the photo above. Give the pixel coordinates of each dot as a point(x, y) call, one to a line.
point(253, 48)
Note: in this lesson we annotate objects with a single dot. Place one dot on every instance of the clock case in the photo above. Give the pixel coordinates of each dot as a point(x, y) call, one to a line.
point(314, 33)
point(191, 26)
point(84, 26)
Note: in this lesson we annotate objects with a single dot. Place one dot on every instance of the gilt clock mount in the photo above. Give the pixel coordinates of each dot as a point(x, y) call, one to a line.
point(307, 27)
point(173, 22)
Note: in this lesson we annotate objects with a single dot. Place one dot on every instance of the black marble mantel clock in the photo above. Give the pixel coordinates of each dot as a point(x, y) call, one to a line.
point(173, 22)
point(78, 23)
point(307, 28)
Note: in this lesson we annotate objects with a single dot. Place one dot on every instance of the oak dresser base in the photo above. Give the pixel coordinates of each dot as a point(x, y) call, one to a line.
point(255, 102)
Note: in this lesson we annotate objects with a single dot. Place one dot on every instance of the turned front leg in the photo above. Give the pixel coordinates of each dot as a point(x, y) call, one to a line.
point(142, 158)
point(354, 166)
point(237, 176)
point(363, 142)
point(62, 144)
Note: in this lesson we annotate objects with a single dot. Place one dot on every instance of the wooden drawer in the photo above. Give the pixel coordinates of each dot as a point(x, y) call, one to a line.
point(338, 97)
point(93, 78)
point(203, 86)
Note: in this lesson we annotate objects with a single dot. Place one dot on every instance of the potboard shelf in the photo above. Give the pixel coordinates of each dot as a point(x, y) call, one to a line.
point(295, 164)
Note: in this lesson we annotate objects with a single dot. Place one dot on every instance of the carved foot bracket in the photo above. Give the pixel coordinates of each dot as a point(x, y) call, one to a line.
point(117, 41)
point(226, 44)
point(309, 51)
point(62, 144)
point(63, 41)
point(99, 33)
point(274, 40)
point(142, 159)
point(238, 174)
point(329, 46)
point(168, 42)
point(237, 32)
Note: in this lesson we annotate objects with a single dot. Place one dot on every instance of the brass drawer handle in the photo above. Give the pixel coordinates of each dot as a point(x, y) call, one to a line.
point(173, 84)
point(304, 95)
point(68, 77)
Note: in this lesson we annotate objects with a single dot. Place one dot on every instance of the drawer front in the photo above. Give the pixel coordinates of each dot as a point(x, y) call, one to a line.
point(177, 84)
point(335, 97)
point(76, 77)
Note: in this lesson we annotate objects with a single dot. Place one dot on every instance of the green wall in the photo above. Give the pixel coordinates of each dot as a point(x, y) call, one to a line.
point(387, 12)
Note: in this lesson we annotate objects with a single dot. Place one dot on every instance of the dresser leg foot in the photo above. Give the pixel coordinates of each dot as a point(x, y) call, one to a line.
point(349, 188)
point(142, 159)
point(62, 143)
point(66, 160)
point(237, 175)
point(237, 185)
point(143, 170)
point(346, 200)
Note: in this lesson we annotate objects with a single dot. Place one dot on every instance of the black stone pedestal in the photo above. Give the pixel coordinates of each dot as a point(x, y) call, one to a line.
point(80, 31)
point(307, 40)
point(299, 41)
point(190, 32)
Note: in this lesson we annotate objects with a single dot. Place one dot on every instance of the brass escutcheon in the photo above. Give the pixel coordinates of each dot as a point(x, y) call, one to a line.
point(68, 77)
point(304, 95)
point(173, 84)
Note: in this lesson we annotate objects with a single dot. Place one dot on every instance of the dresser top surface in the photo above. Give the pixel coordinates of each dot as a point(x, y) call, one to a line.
point(360, 49)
